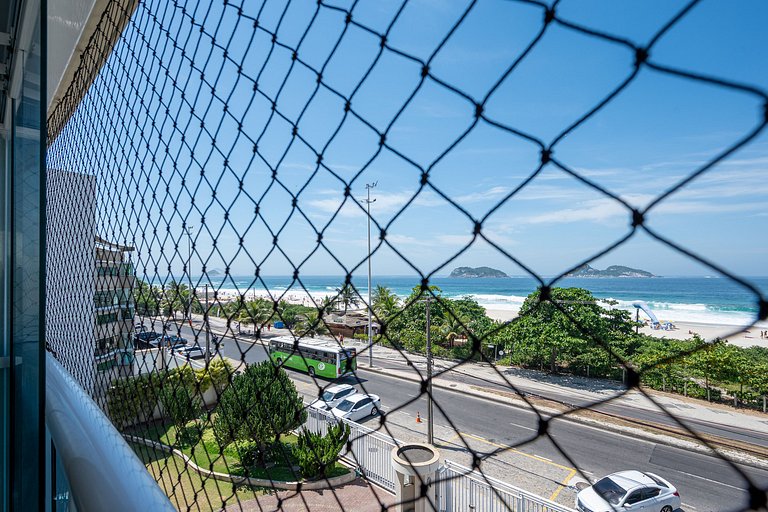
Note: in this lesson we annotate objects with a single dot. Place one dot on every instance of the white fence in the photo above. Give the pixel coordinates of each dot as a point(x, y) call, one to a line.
point(370, 451)
point(456, 489)
point(459, 488)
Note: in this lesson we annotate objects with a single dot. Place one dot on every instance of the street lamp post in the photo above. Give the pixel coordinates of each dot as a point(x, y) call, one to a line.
point(430, 424)
point(368, 202)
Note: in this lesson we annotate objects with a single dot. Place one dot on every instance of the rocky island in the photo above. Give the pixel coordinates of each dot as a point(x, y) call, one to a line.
point(477, 272)
point(612, 271)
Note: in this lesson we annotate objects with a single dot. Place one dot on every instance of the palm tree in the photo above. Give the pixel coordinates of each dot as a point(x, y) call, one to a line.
point(328, 303)
point(311, 324)
point(452, 328)
point(385, 302)
point(348, 297)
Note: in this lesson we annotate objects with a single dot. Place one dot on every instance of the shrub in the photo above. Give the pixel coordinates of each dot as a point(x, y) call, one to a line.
point(317, 454)
point(132, 400)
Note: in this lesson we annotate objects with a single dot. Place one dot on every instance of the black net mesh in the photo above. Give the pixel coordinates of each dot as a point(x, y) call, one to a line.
point(203, 148)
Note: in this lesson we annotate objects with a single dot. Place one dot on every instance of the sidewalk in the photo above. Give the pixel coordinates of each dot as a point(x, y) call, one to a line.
point(358, 496)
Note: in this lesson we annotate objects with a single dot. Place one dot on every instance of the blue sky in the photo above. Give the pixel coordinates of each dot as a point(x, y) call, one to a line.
point(651, 136)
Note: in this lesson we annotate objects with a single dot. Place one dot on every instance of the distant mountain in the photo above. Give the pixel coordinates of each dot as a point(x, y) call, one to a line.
point(215, 272)
point(612, 271)
point(477, 272)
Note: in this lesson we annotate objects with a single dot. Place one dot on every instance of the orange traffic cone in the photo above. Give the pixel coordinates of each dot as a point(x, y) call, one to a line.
point(418, 417)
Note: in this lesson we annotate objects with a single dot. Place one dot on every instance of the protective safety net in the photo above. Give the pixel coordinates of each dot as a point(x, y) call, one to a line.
point(213, 170)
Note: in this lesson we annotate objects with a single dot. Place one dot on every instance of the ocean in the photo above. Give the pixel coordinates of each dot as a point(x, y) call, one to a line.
point(677, 299)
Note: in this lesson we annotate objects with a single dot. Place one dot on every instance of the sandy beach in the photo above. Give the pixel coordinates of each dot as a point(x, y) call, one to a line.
point(683, 330)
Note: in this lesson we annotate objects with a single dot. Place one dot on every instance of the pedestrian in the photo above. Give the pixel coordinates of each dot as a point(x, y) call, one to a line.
point(341, 338)
point(269, 327)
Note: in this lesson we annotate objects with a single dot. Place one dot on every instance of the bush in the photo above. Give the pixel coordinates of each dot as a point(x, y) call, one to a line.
point(181, 405)
point(317, 454)
point(132, 400)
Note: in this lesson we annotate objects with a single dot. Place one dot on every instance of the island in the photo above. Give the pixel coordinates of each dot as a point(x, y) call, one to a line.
point(477, 272)
point(214, 272)
point(612, 271)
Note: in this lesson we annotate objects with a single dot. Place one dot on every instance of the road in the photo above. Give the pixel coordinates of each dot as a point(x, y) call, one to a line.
point(516, 454)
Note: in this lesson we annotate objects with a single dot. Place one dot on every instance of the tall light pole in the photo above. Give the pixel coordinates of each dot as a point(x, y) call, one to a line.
point(430, 423)
point(368, 202)
point(188, 231)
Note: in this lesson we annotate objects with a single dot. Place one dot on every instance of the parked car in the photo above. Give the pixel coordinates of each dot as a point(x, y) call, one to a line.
point(193, 352)
point(146, 336)
point(168, 341)
point(333, 396)
point(633, 491)
point(357, 407)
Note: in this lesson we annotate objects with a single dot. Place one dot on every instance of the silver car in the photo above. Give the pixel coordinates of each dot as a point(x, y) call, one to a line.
point(633, 491)
point(357, 407)
point(333, 396)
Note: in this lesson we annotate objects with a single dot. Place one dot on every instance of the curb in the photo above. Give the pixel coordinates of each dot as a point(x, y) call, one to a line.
point(739, 457)
point(326, 483)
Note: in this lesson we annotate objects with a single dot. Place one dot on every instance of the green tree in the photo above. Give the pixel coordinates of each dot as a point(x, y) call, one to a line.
point(317, 454)
point(311, 324)
point(259, 405)
point(347, 296)
point(557, 332)
point(385, 303)
point(182, 406)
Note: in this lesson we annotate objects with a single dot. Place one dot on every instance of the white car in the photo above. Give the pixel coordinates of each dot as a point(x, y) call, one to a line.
point(333, 396)
point(193, 352)
point(633, 491)
point(357, 407)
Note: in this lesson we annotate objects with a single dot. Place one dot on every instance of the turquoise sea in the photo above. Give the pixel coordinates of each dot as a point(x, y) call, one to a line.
point(690, 299)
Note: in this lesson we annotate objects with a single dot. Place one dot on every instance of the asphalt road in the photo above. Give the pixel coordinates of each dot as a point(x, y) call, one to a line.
point(706, 483)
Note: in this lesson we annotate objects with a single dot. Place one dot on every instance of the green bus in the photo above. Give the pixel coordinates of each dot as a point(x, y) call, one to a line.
point(316, 357)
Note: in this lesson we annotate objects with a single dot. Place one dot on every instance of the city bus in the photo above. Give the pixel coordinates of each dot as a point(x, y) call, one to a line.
point(316, 357)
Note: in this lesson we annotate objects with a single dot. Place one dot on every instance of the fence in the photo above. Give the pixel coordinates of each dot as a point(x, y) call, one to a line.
point(459, 488)
point(367, 449)
point(456, 487)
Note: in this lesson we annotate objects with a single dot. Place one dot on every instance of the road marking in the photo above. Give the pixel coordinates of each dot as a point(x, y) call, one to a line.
point(688, 506)
point(562, 485)
point(712, 481)
point(524, 427)
point(542, 458)
point(514, 450)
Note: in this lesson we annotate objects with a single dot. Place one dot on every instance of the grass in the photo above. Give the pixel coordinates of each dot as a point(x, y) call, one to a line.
point(208, 454)
point(186, 489)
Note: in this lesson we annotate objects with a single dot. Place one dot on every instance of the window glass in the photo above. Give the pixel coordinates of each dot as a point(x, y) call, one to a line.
point(651, 492)
point(634, 497)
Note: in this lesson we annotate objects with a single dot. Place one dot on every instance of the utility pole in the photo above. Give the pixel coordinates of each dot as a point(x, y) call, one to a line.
point(430, 424)
point(207, 330)
point(368, 202)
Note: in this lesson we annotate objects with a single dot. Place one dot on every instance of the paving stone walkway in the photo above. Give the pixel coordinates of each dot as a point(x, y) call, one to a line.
point(357, 496)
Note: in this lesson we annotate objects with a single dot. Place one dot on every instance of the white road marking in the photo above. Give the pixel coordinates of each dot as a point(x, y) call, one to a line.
point(712, 481)
point(524, 427)
point(689, 506)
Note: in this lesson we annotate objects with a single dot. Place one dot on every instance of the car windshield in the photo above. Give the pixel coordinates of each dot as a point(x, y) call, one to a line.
point(328, 396)
point(609, 490)
point(345, 406)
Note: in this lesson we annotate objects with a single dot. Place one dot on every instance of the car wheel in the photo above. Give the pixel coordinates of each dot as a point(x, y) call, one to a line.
point(375, 412)
point(667, 509)
point(311, 371)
